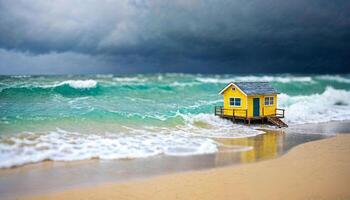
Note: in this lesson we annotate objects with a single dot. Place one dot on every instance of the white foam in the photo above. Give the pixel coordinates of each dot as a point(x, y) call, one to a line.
point(336, 78)
point(190, 138)
point(20, 76)
point(129, 79)
point(61, 145)
point(208, 125)
point(282, 79)
point(332, 104)
point(183, 84)
point(214, 80)
point(104, 75)
point(77, 84)
point(80, 84)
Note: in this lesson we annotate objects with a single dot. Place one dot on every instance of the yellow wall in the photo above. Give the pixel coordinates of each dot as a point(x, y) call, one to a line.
point(264, 110)
point(270, 110)
point(229, 93)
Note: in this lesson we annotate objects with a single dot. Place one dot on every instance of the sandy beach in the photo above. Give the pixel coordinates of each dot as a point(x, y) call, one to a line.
point(314, 170)
point(165, 100)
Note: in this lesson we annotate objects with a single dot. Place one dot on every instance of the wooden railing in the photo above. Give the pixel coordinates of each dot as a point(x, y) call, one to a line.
point(234, 112)
point(218, 110)
point(280, 113)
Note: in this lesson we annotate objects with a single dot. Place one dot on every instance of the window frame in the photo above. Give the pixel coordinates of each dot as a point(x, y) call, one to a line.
point(234, 102)
point(268, 102)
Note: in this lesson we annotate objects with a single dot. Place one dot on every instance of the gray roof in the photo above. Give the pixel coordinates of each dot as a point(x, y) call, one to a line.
point(253, 88)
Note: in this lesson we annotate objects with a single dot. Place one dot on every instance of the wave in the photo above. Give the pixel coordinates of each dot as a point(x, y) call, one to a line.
point(192, 137)
point(66, 88)
point(330, 105)
point(208, 125)
point(77, 84)
point(20, 76)
point(282, 79)
point(336, 78)
point(61, 145)
point(183, 84)
point(129, 79)
point(104, 75)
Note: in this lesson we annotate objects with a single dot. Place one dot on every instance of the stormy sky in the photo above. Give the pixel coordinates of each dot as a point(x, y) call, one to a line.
point(138, 36)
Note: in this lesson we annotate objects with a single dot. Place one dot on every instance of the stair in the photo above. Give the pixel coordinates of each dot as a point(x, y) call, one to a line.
point(277, 122)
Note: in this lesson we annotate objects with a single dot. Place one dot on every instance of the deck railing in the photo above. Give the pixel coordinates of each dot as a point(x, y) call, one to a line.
point(234, 112)
point(279, 113)
point(218, 110)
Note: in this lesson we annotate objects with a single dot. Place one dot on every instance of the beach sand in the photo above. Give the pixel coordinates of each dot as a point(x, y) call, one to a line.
point(314, 170)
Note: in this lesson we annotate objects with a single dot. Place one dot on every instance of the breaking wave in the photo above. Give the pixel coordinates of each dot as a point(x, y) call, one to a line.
point(336, 78)
point(129, 79)
point(281, 79)
point(208, 125)
point(61, 145)
point(117, 117)
point(78, 84)
point(69, 87)
point(192, 137)
point(332, 104)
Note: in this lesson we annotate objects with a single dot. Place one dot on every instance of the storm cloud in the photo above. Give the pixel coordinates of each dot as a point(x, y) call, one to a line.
point(119, 36)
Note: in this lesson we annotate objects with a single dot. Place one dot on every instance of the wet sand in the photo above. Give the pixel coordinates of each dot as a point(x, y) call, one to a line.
point(54, 177)
point(314, 170)
point(48, 176)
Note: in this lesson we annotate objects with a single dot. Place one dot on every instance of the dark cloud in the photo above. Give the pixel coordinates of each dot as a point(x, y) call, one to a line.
point(175, 36)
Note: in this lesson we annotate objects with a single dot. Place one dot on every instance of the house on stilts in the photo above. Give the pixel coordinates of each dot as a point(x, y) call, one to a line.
point(251, 101)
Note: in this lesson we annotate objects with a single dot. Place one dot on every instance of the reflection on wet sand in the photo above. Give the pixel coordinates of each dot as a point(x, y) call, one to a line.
point(264, 146)
point(56, 176)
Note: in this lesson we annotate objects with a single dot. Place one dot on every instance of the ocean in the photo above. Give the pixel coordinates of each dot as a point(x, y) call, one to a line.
point(68, 118)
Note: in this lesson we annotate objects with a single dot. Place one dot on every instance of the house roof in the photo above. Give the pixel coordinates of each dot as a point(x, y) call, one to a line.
point(253, 88)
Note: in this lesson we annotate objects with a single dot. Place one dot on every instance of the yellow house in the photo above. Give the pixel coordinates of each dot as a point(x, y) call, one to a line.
point(249, 101)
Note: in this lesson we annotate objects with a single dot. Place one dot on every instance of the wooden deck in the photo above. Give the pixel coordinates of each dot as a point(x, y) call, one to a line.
point(242, 115)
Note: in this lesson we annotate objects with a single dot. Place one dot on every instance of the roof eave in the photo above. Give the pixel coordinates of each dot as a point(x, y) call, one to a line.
point(230, 84)
point(225, 88)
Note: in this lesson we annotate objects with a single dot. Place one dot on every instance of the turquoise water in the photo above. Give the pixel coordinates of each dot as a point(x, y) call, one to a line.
point(111, 116)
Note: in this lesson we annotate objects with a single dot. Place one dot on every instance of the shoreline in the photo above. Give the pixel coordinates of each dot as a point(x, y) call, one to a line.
point(318, 169)
point(55, 176)
point(328, 129)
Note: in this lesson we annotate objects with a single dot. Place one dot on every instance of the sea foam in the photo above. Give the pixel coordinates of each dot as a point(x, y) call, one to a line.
point(192, 137)
point(332, 104)
point(61, 145)
point(173, 114)
point(79, 84)
point(336, 78)
point(208, 125)
point(281, 79)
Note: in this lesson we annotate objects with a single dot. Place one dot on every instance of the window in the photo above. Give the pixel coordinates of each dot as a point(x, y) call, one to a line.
point(233, 89)
point(235, 101)
point(268, 101)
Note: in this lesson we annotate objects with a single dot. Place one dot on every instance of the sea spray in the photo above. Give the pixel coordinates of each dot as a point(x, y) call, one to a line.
point(330, 105)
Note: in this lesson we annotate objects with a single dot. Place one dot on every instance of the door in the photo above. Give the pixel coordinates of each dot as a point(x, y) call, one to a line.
point(256, 107)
